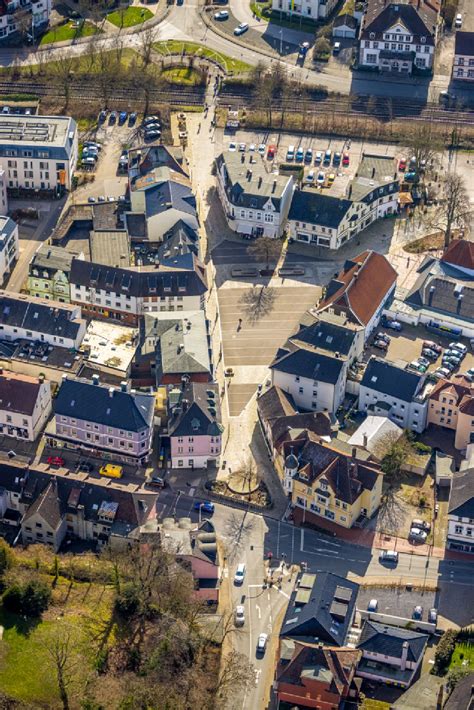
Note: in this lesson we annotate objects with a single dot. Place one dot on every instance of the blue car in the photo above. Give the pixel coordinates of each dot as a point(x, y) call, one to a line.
point(122, 117)
point(299, 155)
point(205, 506)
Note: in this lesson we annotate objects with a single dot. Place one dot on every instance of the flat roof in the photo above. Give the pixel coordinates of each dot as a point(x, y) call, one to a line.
point(110, 346)
point(44, 130)
point(110, 248)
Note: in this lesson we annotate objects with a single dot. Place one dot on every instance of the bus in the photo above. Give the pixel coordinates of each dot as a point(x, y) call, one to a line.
point(447, 331)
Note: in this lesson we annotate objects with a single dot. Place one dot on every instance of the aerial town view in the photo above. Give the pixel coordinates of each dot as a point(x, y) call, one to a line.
point(236, 354)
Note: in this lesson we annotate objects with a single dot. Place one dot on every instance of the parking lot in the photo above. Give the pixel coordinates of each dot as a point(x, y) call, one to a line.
point(406, 346)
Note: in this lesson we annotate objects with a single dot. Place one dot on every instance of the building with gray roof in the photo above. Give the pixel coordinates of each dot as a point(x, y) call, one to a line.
point(40, 151)
point(9, 246)
point(49, 271)
point(254, 201)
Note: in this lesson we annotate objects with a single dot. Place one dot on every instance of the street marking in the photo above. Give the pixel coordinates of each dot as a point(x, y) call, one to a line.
point(280, 591)
point(258, 672)
point(191, 491)
point(254, 586)
point(258, 611)
point(302, 541)
point(226, 572)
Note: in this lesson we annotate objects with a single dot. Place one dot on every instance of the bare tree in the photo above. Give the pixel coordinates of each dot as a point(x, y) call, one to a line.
point(64, 645)
point(247, 474)
point(322, 47)
point(454, 207)
point(265, 249)
point(147, 39)
point(236, 675)
point(424, 147)
point(61, 71)
point(258, 302)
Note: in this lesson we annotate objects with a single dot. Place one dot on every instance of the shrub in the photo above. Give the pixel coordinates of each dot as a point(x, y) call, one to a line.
point(30, 598)
point(127, 601)
point(444, 651)
point(6, 557)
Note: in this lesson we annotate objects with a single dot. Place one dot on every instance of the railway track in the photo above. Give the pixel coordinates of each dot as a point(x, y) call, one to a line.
point(380, 108)
point(86, 92)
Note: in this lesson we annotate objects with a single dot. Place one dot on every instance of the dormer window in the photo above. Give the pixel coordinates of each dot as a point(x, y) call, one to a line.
point(372, 35)
point(423, 39)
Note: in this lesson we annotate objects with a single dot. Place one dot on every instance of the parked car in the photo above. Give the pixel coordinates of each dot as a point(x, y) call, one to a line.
point(345, 159)
point(150, 119)
point(92, 144)
point(432, 346)
point(417, 613)
point(393, 325)
point(448, 365)
point(271, 152)
point(441, 373)
point(410, 176)
point(232, 147)
point(430, 354)
point(402, 165)
point(262, 643)
point(327, 157)
point(308, 156)
point(321, 178)
point(381, 345)
point(239, 573)
point(451, 359)
point(389, 556)
point(85, 466)
point(221, 15)
point(102, 116)
point(336, 161)
point(331, 178)
point(299, 155)
point(157, 481)
point(310, 177)
point(458, 21)
point(112, 118)
point(242, 147)
point(55, 461)
point(152, 135)
point(383, 336)
point(122, 117)
point(318, 158)
point(204, 506)
point(111, 470)
point(372, 605)
point(417, 366)
point(239, 615)
point(470, 372)
point(240, 29)
point(421, 524)
point(91, 200)
point(418, 535)
point(433, 616)
point(262, 148)
point(424, 361)
point(132, 119)
point(458, 346)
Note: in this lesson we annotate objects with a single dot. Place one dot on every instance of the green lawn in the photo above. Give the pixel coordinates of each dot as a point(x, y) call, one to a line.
point(463, 656)
point(229, 64)
point(264, 11)
point(61, 33)
point(182, 75)
point(130, 16)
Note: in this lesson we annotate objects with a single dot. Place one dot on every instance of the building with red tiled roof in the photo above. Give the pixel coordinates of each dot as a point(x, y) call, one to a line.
point(460, 253)
point(451, 405)
point(309, 676)
point(361, 290)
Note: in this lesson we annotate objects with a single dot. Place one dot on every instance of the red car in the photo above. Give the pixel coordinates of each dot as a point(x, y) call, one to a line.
point(402, 165)
point(345, 159)
point(271, 152)
point(55, 461)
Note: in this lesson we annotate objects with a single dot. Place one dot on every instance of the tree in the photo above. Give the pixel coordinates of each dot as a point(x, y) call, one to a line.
point(6, 557)
point(236, 676)
point(61, 71)
point(322, 47)
point(258, 302)
point(423, 146)
point(29, 598)
point(64, 646)
point(265, 249)
point(247, 475)
point(394, 452)
point(454, 207)
point(147, 38)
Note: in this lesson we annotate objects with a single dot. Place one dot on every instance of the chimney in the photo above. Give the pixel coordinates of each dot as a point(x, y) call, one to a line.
point(111, 391)
point(274, 186)
point(365, 441)
point(354, 452)
point(95, 379)
point(40, 377)
point(123, 386)
point(64, 376)
point(403, 660)
point(373, 172)
point(260, 182)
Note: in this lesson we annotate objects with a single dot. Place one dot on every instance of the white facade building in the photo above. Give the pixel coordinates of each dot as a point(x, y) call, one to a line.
point(38, 152)
point(25, 405)
point(311, 9)
point(24, 16)
point(3, 191)
point(461, 512)
point(255, 202)
point(463, 65)
point(9, 246)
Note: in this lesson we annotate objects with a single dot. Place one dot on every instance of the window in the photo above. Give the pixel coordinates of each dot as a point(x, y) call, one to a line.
point(371, 59)
point(458, 529)
point(301, 390)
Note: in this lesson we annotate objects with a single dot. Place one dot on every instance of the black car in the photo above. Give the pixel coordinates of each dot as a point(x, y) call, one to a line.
point(132, 119)
point(85, 466)
point(102, 116)
point(112, 118)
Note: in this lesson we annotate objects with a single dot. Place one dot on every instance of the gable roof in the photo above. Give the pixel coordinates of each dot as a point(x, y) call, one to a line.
point(464, 43)
point(39, 316)
point(373, 432)
point(389, 379)
point(461, 390)
point(52, 259)
point(360, 287)
point(18, 393)
point(284, 428)
point(197, 411)
point(275, 403)
point(460, 252)
point(48, 505)
point(315, 208)
point(250, 185)
point(462, 697)
point(308, 363)
point(333, 666)
point(346, 20)
point(322, 607)
point(419, 17)
point(461, 499)
point(388, 640)
point(112, 407)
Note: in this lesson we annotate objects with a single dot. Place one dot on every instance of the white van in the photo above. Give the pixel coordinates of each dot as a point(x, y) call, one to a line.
point(290, 153)
point(239, 574)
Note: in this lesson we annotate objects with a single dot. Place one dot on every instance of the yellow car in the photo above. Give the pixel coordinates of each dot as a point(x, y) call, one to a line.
point(331, 178)
point(111, 470)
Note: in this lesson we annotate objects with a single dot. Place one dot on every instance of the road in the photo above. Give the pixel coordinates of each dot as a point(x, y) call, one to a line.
point(184, 22)
point(248, 538)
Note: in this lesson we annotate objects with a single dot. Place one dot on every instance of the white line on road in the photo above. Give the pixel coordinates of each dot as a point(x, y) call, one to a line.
point(302, 540)
point(258, 672)
point(259, 613)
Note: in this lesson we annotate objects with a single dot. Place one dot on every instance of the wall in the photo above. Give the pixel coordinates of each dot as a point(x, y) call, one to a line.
point(326, 397)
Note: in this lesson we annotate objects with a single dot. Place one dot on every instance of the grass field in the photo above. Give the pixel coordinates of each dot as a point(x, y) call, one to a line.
point(174, 46)
point(129, 17)
point(182, 75)
point(61, 33)
point(26, 670)
point(463, 656)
